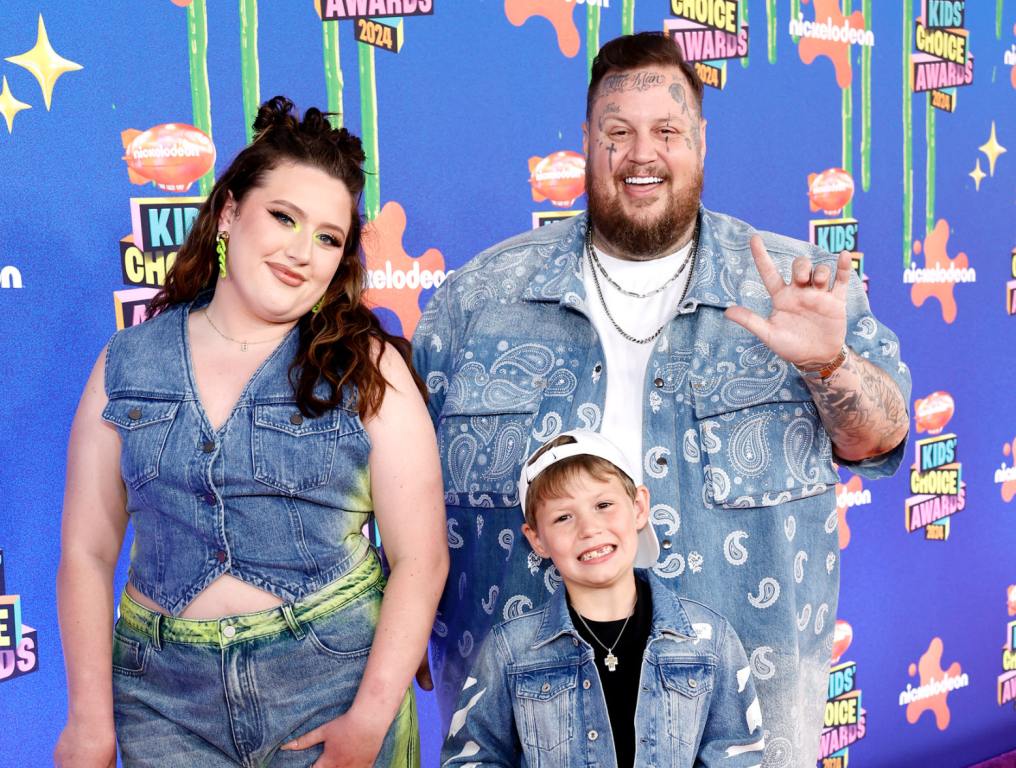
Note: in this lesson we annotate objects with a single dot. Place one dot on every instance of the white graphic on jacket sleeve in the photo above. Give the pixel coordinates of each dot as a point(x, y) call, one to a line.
point(671, 567)
point(654, 467)
point(490, 601)
point(506, 540)
point(459, 718)
point(515, 606)
point(690, 447)
point(740, 749)
point(790, 527)
point(754, 716)
point(768, 593)
point(703, 631)
point(695, 561)
point(830, 562)
point(733, 549)
point(742, 678)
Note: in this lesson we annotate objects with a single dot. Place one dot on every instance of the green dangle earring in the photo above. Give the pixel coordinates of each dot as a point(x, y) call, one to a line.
point(317, 307)
point(221, 247)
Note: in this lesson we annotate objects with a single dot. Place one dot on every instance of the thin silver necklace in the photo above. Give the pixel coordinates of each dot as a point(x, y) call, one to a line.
point(610, 660)
point(603, 302)
point(243, 344)
point(635, 294)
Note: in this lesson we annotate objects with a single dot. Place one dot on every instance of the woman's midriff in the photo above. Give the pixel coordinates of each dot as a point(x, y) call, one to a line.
point(226, 596)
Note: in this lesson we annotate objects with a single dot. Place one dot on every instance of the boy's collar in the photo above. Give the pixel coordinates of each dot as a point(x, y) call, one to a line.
point(669, 616)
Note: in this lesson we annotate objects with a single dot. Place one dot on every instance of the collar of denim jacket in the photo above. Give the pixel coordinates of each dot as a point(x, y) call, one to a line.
point(669, 617)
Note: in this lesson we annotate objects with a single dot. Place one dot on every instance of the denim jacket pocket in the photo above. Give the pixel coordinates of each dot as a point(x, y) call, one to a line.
point(546, 698)
point(293, 452)
point(144, 424)
point(482, 453)
point(761, 442)
point(687, 686)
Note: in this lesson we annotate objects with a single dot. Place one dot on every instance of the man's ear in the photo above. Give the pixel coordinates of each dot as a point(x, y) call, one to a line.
point(533, 536)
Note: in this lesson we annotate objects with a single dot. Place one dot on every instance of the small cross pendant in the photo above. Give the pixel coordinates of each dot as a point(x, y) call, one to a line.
point(610, 661)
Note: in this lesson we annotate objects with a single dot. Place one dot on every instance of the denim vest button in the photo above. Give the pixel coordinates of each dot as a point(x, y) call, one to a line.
point(658, 382)
point(229, 631)
point(208, 446)
point(134, 414)
point(585, 684)
point(296, 419)
point(593, 735)
point(220, 556)
point(597, 368)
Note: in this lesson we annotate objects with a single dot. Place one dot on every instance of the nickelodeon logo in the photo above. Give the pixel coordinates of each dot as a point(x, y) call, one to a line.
point(935, 685)
point(10, 277)
point(172, 155)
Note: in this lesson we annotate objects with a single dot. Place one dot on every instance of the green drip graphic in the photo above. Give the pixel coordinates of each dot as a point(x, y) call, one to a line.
point(627, 17)
point(847, 116)
point(368, 131)
point(866, 104)
point(742, 14)
point(929, 177)
point(771, 29)
point(908, 134)
point(333, 71)
point(998, 19)
point(795, 11)
point(592, 37)
point(249, 64)
point(201, 100)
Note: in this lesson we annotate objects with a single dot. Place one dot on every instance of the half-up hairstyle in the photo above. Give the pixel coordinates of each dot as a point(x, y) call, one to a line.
point(343, 342)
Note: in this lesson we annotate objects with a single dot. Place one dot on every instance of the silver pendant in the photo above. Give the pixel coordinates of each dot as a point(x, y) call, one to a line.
point(610, 661)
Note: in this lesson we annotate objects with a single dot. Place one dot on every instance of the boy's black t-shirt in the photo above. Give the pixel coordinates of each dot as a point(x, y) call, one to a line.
point(621, 687)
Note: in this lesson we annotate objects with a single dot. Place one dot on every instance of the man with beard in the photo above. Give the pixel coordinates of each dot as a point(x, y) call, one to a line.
point(732, 367)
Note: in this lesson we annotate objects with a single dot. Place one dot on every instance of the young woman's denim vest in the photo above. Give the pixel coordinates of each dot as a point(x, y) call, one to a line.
point(274, 498)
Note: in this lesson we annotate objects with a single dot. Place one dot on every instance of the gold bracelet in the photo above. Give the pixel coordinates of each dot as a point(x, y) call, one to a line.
point(825, 370)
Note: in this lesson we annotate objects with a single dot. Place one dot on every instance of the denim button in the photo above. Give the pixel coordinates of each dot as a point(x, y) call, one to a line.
point(585, 684)
point(220, 556)
point(134, 414)
point(545, 687)
point(658, 382)
point(692, 682)
point(210, 498)
point(593, 735)
point(208, 446)
point(666, 544)
point(229, 631)
point(597, 368)
point(296, 419)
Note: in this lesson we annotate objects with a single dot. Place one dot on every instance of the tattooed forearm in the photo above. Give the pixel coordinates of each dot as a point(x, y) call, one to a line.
point(861, 408)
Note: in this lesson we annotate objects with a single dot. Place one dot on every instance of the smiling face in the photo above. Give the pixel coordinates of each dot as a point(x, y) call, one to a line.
point(645, 144)
point(286, 240)
point(590, 531)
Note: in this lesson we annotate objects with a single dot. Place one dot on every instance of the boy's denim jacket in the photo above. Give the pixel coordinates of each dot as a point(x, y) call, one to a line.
point(534, 697)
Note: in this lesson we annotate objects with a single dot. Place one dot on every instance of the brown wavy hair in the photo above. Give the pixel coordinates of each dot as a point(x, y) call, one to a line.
point(342, 343)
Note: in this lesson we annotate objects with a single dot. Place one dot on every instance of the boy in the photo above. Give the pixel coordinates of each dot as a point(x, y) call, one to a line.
point(614, 669)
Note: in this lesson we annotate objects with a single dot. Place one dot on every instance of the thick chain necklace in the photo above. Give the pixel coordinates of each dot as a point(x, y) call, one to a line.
point(693, 257)
point(610, 660)
point(243, 344)
point(634, 294)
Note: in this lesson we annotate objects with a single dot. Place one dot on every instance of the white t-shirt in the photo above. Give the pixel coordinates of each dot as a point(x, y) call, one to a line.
point(626, 361)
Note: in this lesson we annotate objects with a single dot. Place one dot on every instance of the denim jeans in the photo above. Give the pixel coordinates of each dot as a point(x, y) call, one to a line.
point(231, 691)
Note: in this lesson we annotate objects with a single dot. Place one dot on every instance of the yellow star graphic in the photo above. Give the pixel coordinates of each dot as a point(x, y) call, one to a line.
point(9, 106)
point(45, 63)
point(977, 175)
point(992, 149)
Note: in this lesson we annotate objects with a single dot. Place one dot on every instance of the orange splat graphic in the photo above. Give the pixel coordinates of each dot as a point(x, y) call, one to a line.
point(560, 13)
point(1009, 486)
point(936, 255)
point(930, 667)
point(382, 243)
point(853, 485)
point(838, 53)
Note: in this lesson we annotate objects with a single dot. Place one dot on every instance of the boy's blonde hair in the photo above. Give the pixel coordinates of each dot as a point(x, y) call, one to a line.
point(553, 482)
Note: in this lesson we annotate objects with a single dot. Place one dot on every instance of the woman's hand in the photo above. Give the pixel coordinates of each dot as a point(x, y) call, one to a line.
point(85, 745)
point(351, 741)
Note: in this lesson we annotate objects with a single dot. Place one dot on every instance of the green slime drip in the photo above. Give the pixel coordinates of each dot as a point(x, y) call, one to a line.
point(627, 17)
point(201, 100)
point(368, 131)
point(592, 37)
point(908, 134)
point(929, 173)
point(771, 29)
point(333, 71)
point(249, 72)
point(866, 104)
point(847, 114)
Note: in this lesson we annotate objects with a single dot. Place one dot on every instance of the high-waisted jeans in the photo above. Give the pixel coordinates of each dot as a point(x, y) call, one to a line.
point(231, 691)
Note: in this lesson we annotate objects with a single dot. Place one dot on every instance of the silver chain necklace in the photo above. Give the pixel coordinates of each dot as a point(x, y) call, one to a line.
point(634, 294)
point(693, 256)
point(243, 344)
point(610, 660)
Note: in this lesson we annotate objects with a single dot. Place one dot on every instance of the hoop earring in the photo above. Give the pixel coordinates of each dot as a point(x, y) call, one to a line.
point(317, 306)
point(221, 248)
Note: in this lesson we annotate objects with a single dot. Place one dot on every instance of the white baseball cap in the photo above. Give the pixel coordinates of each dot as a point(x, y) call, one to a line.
point(589, 443)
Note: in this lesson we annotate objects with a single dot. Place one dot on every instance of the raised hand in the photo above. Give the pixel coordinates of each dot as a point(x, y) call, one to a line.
point(808, 322)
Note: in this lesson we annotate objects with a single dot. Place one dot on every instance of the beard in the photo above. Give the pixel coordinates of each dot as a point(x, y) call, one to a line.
point(642, 238)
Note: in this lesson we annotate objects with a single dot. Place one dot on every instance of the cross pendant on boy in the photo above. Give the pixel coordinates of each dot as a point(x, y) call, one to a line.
point(610, 661)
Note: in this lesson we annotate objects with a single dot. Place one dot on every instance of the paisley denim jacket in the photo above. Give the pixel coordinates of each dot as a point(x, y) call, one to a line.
point(534, 697)
point(738, 464)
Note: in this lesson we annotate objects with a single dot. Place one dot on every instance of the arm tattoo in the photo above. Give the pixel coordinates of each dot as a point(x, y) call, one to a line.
point(860, 407)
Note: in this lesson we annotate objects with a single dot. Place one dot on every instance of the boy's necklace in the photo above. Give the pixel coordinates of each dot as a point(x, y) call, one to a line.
point(610, 660)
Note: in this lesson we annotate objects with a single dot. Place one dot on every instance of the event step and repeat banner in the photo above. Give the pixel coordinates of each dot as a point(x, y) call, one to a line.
point(887, 129)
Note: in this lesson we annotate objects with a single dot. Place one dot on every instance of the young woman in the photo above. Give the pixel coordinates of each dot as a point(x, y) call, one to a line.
point(249, 430)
